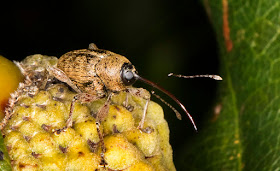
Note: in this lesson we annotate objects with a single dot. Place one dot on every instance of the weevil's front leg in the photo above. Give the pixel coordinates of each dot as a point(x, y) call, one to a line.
point(141, 123)
point(125, 102)
point(140, 92)
point(82, 97)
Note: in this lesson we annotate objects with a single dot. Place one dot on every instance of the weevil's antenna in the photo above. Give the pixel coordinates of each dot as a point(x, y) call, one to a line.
point(169, 94)
point(178, 115)
point(215, 77)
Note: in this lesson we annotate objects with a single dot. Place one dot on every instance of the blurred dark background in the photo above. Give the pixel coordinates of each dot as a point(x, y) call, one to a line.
point(157, 36)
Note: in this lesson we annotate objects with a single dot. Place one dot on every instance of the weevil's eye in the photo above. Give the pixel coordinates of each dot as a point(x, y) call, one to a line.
point(127, 75)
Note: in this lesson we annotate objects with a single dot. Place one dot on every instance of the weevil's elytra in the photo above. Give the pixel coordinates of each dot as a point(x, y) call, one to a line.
point(94, 71)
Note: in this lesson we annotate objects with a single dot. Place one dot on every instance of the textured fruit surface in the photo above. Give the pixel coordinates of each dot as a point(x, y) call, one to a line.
point(10, 77)
point(33, 145)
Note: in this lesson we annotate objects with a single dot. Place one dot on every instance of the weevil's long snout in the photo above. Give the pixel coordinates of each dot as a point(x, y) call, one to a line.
point(168, 94)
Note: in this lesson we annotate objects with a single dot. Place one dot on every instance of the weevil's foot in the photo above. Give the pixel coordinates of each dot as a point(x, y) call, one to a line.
point(140, 126)
point(103, 163)
point(58, 131)
point(124, 104)
point(147, 130)
point(129, 107)
point(69, 124)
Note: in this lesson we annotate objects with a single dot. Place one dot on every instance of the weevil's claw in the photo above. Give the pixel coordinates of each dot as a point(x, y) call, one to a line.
point(58, 131)
point(147, 130)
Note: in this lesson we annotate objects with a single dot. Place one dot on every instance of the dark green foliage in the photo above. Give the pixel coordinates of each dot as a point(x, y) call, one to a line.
point(245, 134)
point(4, 158)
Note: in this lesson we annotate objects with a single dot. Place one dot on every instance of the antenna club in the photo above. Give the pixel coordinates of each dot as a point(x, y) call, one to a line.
point(217, 77)
point(170, 74)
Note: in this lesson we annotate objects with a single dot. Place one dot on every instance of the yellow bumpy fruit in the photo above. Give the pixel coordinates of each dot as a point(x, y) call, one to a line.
point(10, 77)
point(33, 145)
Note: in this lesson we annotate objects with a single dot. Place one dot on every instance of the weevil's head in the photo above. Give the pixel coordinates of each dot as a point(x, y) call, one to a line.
point(128, 74)
point(116, 72)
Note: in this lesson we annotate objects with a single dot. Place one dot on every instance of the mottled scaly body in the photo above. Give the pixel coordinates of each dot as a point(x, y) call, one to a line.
point(94, 71)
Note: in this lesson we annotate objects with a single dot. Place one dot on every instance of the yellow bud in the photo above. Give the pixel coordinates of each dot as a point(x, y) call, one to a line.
point(10, 76)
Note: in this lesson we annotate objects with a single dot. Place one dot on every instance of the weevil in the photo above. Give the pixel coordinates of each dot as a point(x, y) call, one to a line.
point(96, 73)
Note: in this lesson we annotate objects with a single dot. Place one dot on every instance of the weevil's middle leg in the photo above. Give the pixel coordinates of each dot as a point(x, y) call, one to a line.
point(101, 115)
point(140, 92)
point(101, 140)
point(84, 98)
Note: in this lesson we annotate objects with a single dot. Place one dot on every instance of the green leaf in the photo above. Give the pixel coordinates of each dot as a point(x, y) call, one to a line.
point(5, 164)
point(245, 134)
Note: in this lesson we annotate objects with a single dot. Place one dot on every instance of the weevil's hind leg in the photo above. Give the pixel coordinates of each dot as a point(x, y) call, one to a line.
point(69, 121)
point(140, 92)
point(101, 115)
point(61, 76)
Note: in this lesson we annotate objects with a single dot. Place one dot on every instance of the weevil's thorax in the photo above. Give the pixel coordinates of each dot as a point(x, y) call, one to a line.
point(109, 70)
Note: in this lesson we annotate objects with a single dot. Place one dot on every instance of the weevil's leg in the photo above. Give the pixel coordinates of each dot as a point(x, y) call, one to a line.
point(69, 121)
point(140, 92)
point(61, 76)
point(82, 97)
point(141, 123)
point(125, 103)
point(21, 68)
point(101, 140)
point(101, 115)
point(103, 112)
